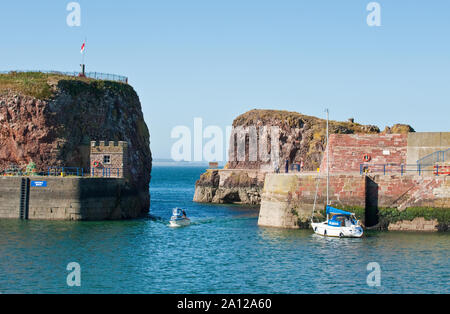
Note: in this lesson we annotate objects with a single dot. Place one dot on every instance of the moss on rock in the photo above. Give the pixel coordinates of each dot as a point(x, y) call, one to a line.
point(393, 215)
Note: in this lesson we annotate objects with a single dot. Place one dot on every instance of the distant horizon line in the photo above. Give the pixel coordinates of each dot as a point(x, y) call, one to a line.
point(170, 160)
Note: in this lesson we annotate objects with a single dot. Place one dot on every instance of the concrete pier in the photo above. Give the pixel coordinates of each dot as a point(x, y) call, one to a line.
point(288, 199)
point(57, 198)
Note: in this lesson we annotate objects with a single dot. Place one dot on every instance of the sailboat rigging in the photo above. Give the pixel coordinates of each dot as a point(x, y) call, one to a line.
point(339, 223)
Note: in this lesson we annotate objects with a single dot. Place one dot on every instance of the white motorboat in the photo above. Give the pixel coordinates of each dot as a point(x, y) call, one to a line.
point(179, 218)
point(339, 223)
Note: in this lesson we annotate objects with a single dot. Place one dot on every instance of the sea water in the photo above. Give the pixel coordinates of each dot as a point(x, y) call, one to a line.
point(223, 251)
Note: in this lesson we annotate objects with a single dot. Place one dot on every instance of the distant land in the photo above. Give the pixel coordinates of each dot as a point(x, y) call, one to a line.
point(167, 162)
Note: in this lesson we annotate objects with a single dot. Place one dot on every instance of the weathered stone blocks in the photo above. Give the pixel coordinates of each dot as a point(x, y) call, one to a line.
point(73, 199)
point(418, 224)
point(347, 151)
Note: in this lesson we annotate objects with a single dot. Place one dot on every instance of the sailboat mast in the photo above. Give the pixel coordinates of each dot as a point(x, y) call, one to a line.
point(328, 161)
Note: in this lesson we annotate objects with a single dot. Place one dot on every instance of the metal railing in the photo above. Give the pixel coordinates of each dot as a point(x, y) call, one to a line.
point(107, 172)
point(65, 171)
point(93, 75)
point(107, 77)
point(70, 172)
point(431, 159)
point(403, 169)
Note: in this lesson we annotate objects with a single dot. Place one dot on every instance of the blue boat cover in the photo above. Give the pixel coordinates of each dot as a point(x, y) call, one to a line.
point(332, 210)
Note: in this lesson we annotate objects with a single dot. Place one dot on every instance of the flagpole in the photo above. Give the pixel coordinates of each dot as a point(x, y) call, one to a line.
point(85, 46)
point(82, 57)
point(83, 52)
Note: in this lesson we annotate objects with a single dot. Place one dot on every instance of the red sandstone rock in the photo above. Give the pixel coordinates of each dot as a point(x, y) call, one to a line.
point(57, 131)
point(301, 137)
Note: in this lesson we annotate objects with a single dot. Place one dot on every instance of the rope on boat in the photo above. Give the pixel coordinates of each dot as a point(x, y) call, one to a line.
point(315, 197)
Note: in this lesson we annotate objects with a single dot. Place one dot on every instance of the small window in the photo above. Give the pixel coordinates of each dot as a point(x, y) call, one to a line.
point(107, 159)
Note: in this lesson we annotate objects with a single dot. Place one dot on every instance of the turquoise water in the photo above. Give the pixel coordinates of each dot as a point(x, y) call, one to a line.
point(224, 251)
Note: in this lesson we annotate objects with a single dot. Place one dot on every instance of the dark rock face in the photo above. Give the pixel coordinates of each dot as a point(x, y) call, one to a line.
point(57, 131)
point(227, 187)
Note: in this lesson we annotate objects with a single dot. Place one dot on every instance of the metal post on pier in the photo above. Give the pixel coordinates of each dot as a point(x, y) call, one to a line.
point(328, 159)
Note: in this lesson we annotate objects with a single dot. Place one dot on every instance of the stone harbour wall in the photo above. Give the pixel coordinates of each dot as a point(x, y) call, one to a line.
point(288, 199)
point(72, 199)
point(418, 224)
point(347, 151)
point(425, 143)
point(401, 192)
point(10, 197)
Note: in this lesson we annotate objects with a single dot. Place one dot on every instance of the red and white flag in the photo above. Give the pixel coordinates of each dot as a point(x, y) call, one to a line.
point(83, 47)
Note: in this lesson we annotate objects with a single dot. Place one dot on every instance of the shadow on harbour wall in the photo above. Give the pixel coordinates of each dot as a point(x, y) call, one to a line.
point(371, 216)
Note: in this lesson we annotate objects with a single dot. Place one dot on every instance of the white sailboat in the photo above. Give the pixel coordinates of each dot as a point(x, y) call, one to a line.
point(339, 223)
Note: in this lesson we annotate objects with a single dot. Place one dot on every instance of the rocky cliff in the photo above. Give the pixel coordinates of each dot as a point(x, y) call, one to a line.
point(51, 119)
point(300, 138)
point(230, 186)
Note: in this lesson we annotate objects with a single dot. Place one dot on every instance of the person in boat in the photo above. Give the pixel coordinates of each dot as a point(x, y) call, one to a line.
point(276, 167)
point(184, 214)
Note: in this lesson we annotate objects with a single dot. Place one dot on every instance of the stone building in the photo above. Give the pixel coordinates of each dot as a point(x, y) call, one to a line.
point(109, 159)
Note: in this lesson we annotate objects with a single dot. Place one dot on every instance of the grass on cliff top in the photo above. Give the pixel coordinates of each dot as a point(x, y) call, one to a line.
point(297, 120)
point(30, 84)
point(43, 86)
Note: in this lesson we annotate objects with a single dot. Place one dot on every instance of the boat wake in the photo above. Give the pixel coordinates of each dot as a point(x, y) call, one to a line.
point(220, 220)
point(203, 221)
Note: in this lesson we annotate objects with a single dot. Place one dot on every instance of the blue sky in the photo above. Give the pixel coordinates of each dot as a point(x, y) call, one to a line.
point(217, 59)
